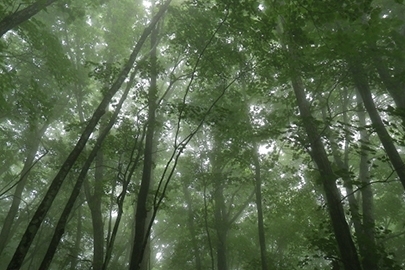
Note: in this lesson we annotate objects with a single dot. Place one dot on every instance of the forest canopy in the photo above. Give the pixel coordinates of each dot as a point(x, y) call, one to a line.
point(187, 134)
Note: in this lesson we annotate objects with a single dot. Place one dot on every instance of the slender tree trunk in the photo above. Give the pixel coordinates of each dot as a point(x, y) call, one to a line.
point(221, 223)
point(258, 192)
point(94, 202)
point(360, 81)
point(191, 227)
point(206, 227)
point(146, 258)
point(220, 213)
point(43, 208)
point(141, 218)
point(18, 17)
point(76, 248)
point(33, 142)
point(347, 181)
point(370, 258)
point(121, 198)
point(112, 201)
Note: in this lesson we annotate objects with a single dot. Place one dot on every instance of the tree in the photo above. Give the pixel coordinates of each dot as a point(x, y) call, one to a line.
point(19, 16)
point(245, 135)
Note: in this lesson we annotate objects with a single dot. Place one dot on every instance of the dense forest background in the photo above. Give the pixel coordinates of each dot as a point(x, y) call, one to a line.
point(227, 134)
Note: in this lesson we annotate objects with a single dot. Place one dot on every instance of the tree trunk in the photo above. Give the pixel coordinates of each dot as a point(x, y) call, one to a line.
point(258, 192)
point(191, 227)
point(43, 208)
point(146, 259)
point(221, 223)
point(206, 227)
point(141, 218)
point(360, 81)
point(370, 258)
point(121, 197)
point(94, 202)
point(76, 248)
point(18, 17)
point(220, 213)
point(140, 237)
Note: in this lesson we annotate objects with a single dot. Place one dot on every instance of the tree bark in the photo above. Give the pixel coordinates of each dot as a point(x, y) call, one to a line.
point(141, 238)
point(53, 190)
point(18, 17)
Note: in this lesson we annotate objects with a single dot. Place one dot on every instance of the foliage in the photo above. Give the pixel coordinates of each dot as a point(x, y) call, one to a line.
point(225, 72)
